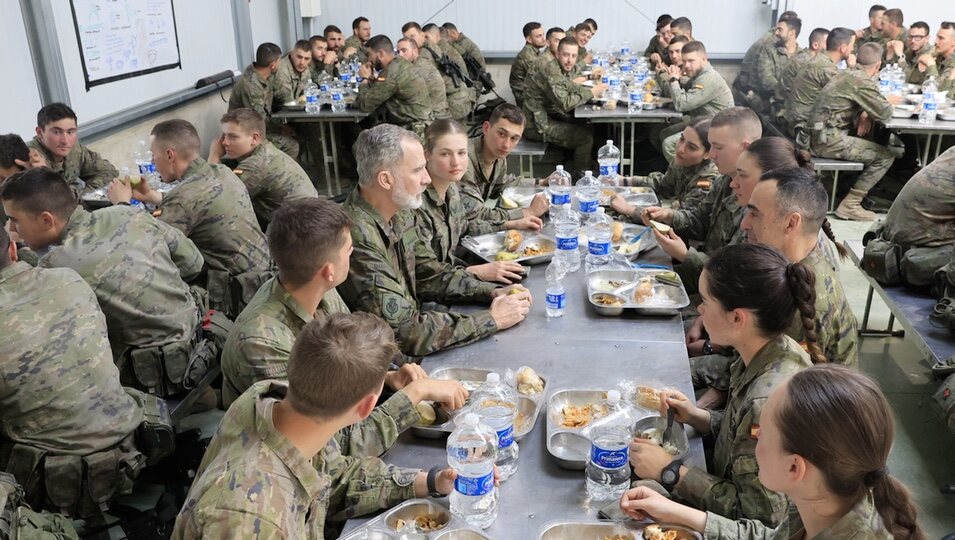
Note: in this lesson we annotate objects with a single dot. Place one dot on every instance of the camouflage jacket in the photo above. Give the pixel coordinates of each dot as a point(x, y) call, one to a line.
point(432, 77)
point(550, 92)
point(251, 91)
point(458, 96)
point(272, 178)
point(253, 479)
point(910, 60)
point(654, 46)
point(360, 52)
point(137, 266)
point(59, 387)
point(745, 81)
point(404, 95)
point(847, 94)
point(862, 522)
point(688, 185)
point(320, 68)
point(946, 68)
point(734, 490)
point(442, 223)
point(923, 213)
point(288, 84)
point(703, 95)
point(837, 330)
point(479, 185)
point(870, 36)
point(789, 72)
point(806, 86)
point(465, 45)
point(769, 71)
point(386, 279)
point(520, 69)
point(212, 207)
point(81, 163)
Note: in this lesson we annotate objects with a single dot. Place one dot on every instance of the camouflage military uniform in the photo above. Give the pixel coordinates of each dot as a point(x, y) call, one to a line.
point(404, 96)
point(251, 91)
point(466, 46)
point(478, 186)
point(946, 68)
point(385, 279)
point(360, 52)
point(550, 96)
point(910, 60)
point(253, 479)
point(833, 121)
point(769, 74)
point(923, 213)
point(520, 69)
point(448, 49)
point(870, 36)
point(137, 266)
point(272, 178)
point(704, 95)
point(862, 522)
point(806, 86)
point(788, 76)
point(687, 185)
point(442, 223)
point(654, 46)
point(746, 79)
point(715, 222)
point(80, 164)
point(734, 489)
point(288, 84)
point(320, 68)
point(458, 95)
point(432, 77)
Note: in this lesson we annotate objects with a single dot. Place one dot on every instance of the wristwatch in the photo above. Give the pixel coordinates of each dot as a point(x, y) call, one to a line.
point(671, 474)
point(432, 489)
point(707, 347)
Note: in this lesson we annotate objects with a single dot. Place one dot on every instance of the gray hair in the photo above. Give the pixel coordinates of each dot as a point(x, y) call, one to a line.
point(379, 149)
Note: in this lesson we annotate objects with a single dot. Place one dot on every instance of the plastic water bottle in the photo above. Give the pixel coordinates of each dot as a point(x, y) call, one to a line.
point(613, 80)
point(588, 194)
point(608, 469)
point(559, 186)
point(625, 48)
point(555, 298)
point(134, 203)
point(599, 244)
point(567, 233)
point(496, 404)
point(929, 102)
point(885, 80)
point(609, 159)
point(472, 448)
point(312, 106)
point(898, 81)
point(143, 157)
point(338, 97)
point(635, 94)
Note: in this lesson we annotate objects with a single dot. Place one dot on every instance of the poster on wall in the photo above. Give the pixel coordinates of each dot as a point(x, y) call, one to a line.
point(120, 39)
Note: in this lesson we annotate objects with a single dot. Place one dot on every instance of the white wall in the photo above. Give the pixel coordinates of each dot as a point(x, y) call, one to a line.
point(267, 23)
point(19, 93)
point(854, 14)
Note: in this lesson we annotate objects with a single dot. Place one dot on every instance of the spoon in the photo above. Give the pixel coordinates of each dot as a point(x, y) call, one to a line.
point(668, 432)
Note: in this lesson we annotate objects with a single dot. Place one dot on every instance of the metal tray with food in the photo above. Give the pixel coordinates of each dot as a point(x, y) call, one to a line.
point(636, 195)
point(294, 105)
point(423, 519)
point(652, 428)
point(531, 391)
point(647, 291)
point(520, 196)
point(947, 115)
point(518, 246)
point(578, 530)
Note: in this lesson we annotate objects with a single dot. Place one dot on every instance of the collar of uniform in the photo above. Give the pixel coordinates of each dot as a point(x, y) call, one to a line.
point(532, 48)
point(862, 517)
point(79, 217)
point(257, 152)
point(256, 77)
point(298, 464)
point(432, 195)
point(770, 353)
point(474, 153)
point(388, 231)
point(13, 270)
point(281, 295)
point(197, 169)
point(52, 159)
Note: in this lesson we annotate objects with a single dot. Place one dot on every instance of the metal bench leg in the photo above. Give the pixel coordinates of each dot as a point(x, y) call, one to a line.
point(835, 189)
point(869, 332)
point(868, 308)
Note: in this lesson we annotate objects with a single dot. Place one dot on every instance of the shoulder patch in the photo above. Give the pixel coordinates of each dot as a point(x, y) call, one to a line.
point(238, 172)
point(698, 86)
point(157, 212)
point(754, 432)
point(703, 183)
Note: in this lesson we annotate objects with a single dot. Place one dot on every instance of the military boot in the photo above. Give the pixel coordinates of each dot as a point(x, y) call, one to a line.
point(851, 208)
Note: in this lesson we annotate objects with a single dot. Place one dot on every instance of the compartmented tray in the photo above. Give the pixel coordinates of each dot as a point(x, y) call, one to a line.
point(523, 195)
point(665, 299)
point(637, 195)
point(486, 246)
point(629, 530)
point(385, 526)
point(528, 406)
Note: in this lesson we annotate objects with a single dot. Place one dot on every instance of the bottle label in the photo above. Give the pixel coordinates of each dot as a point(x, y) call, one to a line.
point(146, 169)
point(567, 244)
point(474, 487)
point(559, 198)
point(336, 96)
point(556, 301)
point(609, 170)
point(635, 97)
point(598, 248)
point(609, 459)
point(929, 106)
point(505, 437)
point(323, 87)
point(625, 68)
point(346, 77)
point(311, 98)
point(588, 207)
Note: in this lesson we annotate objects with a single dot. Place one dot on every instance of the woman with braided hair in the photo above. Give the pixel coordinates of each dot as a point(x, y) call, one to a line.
point(751, 293)
point(824, 441)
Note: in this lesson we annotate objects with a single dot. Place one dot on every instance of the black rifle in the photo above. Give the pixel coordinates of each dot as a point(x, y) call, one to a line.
point(477, 71)
point(451, 69)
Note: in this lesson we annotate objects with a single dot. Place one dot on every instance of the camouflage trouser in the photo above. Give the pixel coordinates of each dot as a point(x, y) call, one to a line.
point(835, 144)
point(459, 104)
point(284, 143)
point(578, 138)
point(711, 371)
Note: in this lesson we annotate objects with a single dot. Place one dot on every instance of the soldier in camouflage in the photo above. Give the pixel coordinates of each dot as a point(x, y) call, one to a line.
point(873, 32)
point(56, 146)
point(397, 87)
point(361, 33)
point(744, 83)
point(916, 45)
point(136, 265)
point(60, 392)
point(461, 43)
point(457, 93)
point(944, 60)
point(811, 79)
point(432, 35)
point(657, 49)
point(842, 115)
point(426, 71)
point(384, 278)
point(817, 46)
point(530, 53)
point(253, 90)
point(274, 468)
point(289, 80)
point(894, 35)
point(773, 61)
point(270, 175)
point(323, 60)
point(212, 207)
point(551, 93)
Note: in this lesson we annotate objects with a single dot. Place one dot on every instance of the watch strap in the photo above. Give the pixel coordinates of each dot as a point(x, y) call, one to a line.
point(432, 488)
point(673, 467)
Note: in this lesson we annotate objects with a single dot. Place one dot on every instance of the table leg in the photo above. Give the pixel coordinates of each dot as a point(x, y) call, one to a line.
point(835, 189)
point(334, 139)
point(633, 151)
point(325, 154)
point(928, 146)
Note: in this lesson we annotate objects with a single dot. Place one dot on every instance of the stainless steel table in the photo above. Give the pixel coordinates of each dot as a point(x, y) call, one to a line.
point(578, 350)
point(326, 129)
point(625, 120)
point(938, 130)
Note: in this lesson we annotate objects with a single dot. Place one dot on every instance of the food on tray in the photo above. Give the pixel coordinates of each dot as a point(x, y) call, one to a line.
point(506, 256)
point(643, 291)
point(617, 537)
point(576, 417)
point(629, 248)
point(669, 277)
point(616, 231)
point(520, 422)
point(528, 382)
point(604, 299)
point(640, 189)
point(657, 532)
point(534, 251)
point(496, 403)
point(648, 97)
point(471, 386)
point(512, 240)
point(648, 397)
point(662, 228)
point(508, 203)
point(422, 523)
point(655, 435)
point(426, 410)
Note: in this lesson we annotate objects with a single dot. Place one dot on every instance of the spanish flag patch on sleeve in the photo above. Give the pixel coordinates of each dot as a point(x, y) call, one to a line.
point(754, 432)
point(703, 183)
point(698, 86)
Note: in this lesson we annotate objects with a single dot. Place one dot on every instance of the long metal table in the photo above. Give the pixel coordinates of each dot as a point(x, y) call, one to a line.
point(578, 350)
point(938, 130)
point(624, 121)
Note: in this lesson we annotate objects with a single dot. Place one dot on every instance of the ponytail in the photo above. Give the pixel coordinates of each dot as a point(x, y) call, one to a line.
point(804, 160)
point(802, 284)
point(840, 247)
point(894, 504)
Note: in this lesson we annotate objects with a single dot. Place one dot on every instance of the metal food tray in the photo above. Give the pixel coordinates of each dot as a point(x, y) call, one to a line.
point(632, 530)
point(471, 378)
point(636, 195)
point(523, 195)
point(677, 434)
point(947, 115)
point(383, 527)
point(486, 246)
point(667, 299)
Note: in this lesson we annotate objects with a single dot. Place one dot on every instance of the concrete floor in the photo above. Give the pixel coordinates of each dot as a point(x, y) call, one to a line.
point(921, 457)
